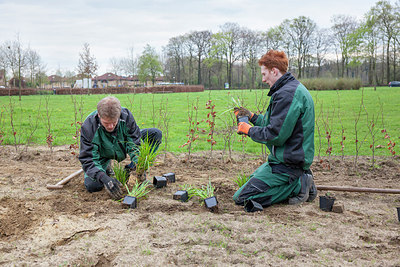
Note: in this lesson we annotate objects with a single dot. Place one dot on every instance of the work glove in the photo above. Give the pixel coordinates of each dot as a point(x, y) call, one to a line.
point(243, 128)
point(242, 114)
point(112, 185)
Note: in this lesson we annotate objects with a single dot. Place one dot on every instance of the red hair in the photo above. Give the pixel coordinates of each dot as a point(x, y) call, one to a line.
point(275, 59)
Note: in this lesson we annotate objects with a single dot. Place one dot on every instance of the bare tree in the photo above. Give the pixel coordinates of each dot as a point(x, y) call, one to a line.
point(300, 30)
point(33, 62)
point(116, 65)
point(16, 56)
point(190, 50)
point(386, 20)
point(322, 43)
point(129, 63)
point(201, 39)
point(87, 65)
point(342, 27)
point(175, 51)
point(228, 41)
point(254, 44)
point(4, 63)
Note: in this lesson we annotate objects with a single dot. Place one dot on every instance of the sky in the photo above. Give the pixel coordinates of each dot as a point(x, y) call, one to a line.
point(57, 29)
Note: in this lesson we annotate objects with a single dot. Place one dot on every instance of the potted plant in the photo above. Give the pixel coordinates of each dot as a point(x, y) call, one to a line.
point(146, 157)
point(139, 190)
point(207, 195)
point(186, 193)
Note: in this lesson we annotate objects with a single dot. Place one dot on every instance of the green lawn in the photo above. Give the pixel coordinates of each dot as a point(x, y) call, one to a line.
point(35, 115)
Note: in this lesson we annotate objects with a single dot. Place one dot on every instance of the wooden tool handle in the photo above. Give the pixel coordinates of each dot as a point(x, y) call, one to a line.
point(359, 189)
point(64, 181)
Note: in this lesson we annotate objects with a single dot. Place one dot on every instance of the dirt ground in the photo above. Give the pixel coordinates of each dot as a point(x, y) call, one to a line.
point(71, 227)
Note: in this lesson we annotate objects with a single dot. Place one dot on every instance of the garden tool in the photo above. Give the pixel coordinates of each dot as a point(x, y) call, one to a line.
point(64, 181)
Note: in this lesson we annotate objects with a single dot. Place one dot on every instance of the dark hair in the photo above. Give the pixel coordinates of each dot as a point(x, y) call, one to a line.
point(275, 59)
point(109, 107)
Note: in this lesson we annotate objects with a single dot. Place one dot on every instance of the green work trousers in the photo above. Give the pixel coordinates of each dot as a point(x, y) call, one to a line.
point(267, 187)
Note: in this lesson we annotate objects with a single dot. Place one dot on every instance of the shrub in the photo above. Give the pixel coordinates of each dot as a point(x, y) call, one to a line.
point(331, 84)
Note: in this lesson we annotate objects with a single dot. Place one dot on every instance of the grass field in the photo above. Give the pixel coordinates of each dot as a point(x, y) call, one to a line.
point(32, 119)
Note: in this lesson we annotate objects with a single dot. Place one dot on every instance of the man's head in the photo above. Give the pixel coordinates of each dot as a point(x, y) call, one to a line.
point(273, 65)
point(109, 110)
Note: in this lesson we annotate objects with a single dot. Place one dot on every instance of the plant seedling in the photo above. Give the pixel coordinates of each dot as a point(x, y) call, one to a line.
point(120, 173)
point(190, 189)
point(241, 179)
point(146, 157)
point(181, 195)
point(170, 177)
point(139, 190)
point(159, 181)
point(207, 195)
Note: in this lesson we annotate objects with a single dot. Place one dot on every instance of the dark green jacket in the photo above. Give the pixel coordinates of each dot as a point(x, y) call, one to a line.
point(287, 128)
point(98, 146)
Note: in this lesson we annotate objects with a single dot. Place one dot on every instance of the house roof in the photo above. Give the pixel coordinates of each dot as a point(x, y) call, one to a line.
point(108, 77)
point(55, 78)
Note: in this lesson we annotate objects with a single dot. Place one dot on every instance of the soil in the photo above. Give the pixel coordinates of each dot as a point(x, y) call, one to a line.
point(71, 227)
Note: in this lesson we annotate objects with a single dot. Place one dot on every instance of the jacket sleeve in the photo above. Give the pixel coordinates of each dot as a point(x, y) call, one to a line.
point(133, 137)
point(89, 153)
point(285, 111)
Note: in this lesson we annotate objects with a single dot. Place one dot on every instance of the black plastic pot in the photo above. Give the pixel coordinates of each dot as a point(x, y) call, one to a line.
point(398, 213)
point(129, 202)
point(211, 203)
point(181, 195)
point(326, 203)
point(170, 177)
point(159, 181)
point(252, 206)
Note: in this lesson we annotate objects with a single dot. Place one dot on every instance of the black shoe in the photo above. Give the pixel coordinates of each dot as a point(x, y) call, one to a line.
point(313, 193)
point(306, 183)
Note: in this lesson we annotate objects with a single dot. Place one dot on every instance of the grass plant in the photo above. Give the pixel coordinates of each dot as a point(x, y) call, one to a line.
point(146, 157)
point(241, 179)
point(120, 173)
point(205, 191)
point(190, 189)
point(139, 190)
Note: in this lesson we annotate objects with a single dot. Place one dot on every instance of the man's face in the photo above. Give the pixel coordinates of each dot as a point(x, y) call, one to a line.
point(269, 76)
point(109, 124)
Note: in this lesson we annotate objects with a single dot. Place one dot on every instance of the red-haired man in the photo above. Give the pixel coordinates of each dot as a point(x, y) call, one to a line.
point(287, 129)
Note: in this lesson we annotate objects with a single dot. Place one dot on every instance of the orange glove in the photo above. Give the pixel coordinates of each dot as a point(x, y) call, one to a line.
point(243, 128)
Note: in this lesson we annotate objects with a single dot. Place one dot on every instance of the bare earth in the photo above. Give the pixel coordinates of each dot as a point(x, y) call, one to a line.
point(71, 227)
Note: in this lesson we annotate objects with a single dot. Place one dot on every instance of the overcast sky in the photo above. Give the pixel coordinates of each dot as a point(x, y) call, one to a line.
point(57, 29)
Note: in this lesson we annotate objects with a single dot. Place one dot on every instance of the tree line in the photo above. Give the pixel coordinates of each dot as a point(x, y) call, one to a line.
point(366, 49)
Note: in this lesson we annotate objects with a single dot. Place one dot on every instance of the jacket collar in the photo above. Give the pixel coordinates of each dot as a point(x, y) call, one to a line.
point(287, 77)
